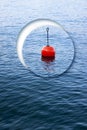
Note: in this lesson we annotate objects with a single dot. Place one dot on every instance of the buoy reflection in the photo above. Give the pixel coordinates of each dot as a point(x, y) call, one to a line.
point(47, 59)
point(48, 64)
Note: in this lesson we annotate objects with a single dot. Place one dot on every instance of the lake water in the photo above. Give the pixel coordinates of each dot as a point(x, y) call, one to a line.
point(29, 102)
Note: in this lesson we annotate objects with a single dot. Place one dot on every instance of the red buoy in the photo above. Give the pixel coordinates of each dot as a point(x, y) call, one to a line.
point(48, 51)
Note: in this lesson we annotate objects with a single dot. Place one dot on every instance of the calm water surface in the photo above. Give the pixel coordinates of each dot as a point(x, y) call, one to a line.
point(28, 102)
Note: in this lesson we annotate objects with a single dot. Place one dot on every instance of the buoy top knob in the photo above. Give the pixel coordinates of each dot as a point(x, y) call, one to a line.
point(47, 29)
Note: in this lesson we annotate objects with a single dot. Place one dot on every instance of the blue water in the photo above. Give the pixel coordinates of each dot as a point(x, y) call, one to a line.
point(28, 102)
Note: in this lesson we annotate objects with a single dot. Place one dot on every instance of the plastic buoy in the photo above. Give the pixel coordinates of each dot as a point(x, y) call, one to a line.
point(48, 51)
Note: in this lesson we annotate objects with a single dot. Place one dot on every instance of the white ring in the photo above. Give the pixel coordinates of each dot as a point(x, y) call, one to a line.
point(26, 31)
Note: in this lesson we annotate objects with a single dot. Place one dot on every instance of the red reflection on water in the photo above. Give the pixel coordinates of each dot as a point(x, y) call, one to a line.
point(48, 59)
